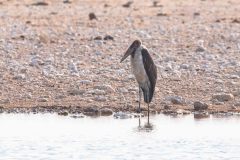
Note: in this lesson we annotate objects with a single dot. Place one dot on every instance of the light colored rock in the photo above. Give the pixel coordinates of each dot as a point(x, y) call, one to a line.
point(131, 77)
point(49, 71)
point(35, 61)
point(19, 77)
point(123, 90)
point(219, 81)
point(60, 96)
point(98, 53)
point(96, 92)
point(176, 100)
point(236, 92)
point(222, 97)
point(122, 115)
point(72, 67)
point(168, 68)
point(107, 88)
point(184, 66)
point(42, 100)
point(182, 111)
point(27, 95)
point(237, 104)
point(100, 99)
point(216, 102)
point(234, 77)
point(85, 82)
point(4, 101)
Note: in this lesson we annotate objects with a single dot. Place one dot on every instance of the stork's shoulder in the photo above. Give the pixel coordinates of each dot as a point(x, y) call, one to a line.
point(145, 53)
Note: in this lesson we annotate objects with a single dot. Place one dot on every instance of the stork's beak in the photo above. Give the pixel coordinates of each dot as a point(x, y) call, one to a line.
point(128, 52)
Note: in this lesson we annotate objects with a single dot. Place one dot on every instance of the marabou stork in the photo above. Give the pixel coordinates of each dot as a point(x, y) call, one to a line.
point(144, 70)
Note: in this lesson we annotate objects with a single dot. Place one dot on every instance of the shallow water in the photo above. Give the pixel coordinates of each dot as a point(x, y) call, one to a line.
point(27, 137)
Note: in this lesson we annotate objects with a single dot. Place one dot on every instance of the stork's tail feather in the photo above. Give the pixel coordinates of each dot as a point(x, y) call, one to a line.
point(148, 95)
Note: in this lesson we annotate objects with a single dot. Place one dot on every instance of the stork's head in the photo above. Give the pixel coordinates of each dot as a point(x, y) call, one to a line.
point(131, 49)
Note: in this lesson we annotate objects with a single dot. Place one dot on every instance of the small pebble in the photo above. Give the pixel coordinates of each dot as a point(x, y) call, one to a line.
point(92, 16)
point(63, 113)
point(108, 37)
point(128, 4)
point(40, 4)
point(98, 38)
point(176, 100)
point(100, 99)
point(42, 100)
point(75, 92)
point(221, 97)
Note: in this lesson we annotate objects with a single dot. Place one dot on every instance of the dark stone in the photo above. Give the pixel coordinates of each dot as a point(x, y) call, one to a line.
point(169, 112)
point(92, 16)
point(155, 3)
point(106, 5)
point(162, 14)
point(222, 97)
point(200, 106)
point(196, 14)
point(22, 37)
point(108, 37)
point(75, 92)
point(98, 38)
point(1, 109)
point(200, 49)
point(128, 4)
point(63, 113)
point(201, 115)
point(40, 4)
point(77, 116)
point(167, 106)
point(67, 1)
point(91, 111)
point(106, 112)
point(236, 20)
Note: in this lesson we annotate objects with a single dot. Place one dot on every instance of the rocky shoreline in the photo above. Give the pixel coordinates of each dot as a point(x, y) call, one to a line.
point(64, 57)
point(78, 112)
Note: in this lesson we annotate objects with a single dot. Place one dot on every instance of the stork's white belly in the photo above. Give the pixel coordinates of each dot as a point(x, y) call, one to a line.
point(138, 68)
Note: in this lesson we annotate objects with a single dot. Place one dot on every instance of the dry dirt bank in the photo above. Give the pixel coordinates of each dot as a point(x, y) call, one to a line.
point(52, 56)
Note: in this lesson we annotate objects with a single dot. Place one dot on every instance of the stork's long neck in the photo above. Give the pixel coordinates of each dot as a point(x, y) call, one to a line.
point(137, 51)
point(138, 66)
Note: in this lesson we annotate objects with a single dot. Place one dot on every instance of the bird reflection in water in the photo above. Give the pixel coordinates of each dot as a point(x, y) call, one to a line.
point(147, 127)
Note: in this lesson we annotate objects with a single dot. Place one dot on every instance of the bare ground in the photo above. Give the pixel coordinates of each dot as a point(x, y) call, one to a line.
point(53, 56)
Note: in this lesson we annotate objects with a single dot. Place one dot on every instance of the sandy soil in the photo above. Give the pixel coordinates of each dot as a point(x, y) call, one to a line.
point(53, 56)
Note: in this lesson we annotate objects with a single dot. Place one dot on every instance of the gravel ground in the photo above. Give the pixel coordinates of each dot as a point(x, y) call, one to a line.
point(65, 54)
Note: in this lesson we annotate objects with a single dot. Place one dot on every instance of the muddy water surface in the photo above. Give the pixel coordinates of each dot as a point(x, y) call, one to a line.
point(27, 137)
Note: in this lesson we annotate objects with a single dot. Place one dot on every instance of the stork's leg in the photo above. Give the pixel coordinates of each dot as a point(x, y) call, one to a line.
point(139, 100)
point(148, 113)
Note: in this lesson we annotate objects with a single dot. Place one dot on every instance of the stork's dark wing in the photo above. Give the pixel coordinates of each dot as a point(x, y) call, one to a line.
point(151, 71)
